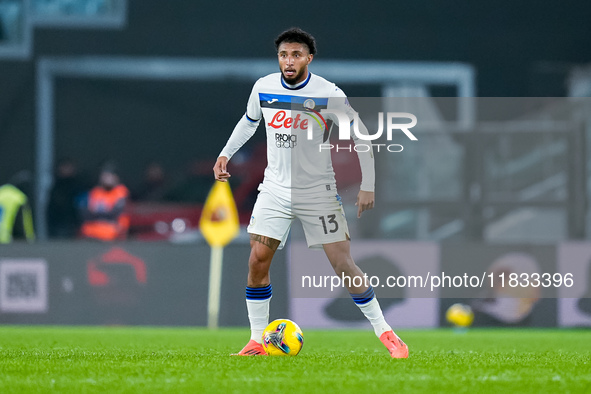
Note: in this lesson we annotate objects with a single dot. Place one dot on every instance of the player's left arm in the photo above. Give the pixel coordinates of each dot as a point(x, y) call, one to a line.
point(366, 195)
point(365, 201)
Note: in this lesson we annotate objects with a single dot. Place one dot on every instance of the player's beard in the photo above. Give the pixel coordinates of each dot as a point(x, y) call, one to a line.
point(295, 79)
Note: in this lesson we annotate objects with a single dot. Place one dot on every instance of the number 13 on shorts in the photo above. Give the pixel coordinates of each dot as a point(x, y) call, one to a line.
point(329, 223)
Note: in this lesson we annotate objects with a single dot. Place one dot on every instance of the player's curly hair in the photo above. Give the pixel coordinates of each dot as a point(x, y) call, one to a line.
point(295, 34)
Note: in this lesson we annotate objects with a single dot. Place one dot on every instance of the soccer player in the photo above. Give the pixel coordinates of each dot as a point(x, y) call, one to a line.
point(299, 182)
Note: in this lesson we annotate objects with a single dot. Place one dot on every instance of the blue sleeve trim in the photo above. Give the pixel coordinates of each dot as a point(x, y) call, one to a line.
point(251, 119)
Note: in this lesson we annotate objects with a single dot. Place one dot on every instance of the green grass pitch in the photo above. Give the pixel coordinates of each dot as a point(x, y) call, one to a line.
point(195, 360)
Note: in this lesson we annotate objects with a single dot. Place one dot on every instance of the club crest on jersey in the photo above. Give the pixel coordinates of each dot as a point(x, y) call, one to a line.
point(309, 104)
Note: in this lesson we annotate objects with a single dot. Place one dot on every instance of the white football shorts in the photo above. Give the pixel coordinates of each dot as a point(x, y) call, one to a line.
point(319, 209)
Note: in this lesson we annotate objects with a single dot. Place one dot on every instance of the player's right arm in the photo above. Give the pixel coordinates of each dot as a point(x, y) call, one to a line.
point(245, 128)
point(220, 170)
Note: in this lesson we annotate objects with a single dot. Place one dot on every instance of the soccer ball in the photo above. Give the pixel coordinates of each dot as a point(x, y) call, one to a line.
point(283, 338)
point(460, 315)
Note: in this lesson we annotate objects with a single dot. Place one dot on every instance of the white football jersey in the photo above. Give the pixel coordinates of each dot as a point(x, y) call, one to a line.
point(291, 115)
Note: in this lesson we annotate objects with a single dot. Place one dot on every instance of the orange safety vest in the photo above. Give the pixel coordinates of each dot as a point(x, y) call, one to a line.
point(101, 200)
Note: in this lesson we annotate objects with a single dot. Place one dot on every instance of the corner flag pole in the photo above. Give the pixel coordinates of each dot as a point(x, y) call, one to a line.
point(215, 286)
point(219, 226)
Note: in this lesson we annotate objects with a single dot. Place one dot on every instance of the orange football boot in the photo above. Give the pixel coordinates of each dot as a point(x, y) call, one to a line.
point(395, 346)
point(252, 348)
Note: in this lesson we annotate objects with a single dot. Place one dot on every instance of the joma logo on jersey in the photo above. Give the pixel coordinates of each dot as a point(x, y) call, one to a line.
point(281, 120)
point(286, 140)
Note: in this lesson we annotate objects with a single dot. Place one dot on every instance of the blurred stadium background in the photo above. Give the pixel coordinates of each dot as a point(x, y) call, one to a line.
point(143, 82)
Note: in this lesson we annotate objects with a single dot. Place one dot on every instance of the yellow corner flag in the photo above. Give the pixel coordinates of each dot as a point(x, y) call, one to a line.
point(219, 218)
point(219, 225)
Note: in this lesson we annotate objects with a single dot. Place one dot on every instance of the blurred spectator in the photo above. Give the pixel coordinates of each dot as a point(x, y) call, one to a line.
point(103, 216)
point(63, 220)
point(12, 202)
point(154, 184)
point(195, 185)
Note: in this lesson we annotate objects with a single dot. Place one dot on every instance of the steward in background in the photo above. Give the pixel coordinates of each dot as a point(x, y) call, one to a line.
point(103, 217)
point(13, 201)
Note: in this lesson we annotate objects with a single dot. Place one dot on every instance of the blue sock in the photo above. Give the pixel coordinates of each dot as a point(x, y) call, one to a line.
point(370, 307)
point(365, 297)
point(259, 293)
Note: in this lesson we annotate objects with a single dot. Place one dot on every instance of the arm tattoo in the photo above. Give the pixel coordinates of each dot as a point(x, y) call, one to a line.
point(271, 243)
